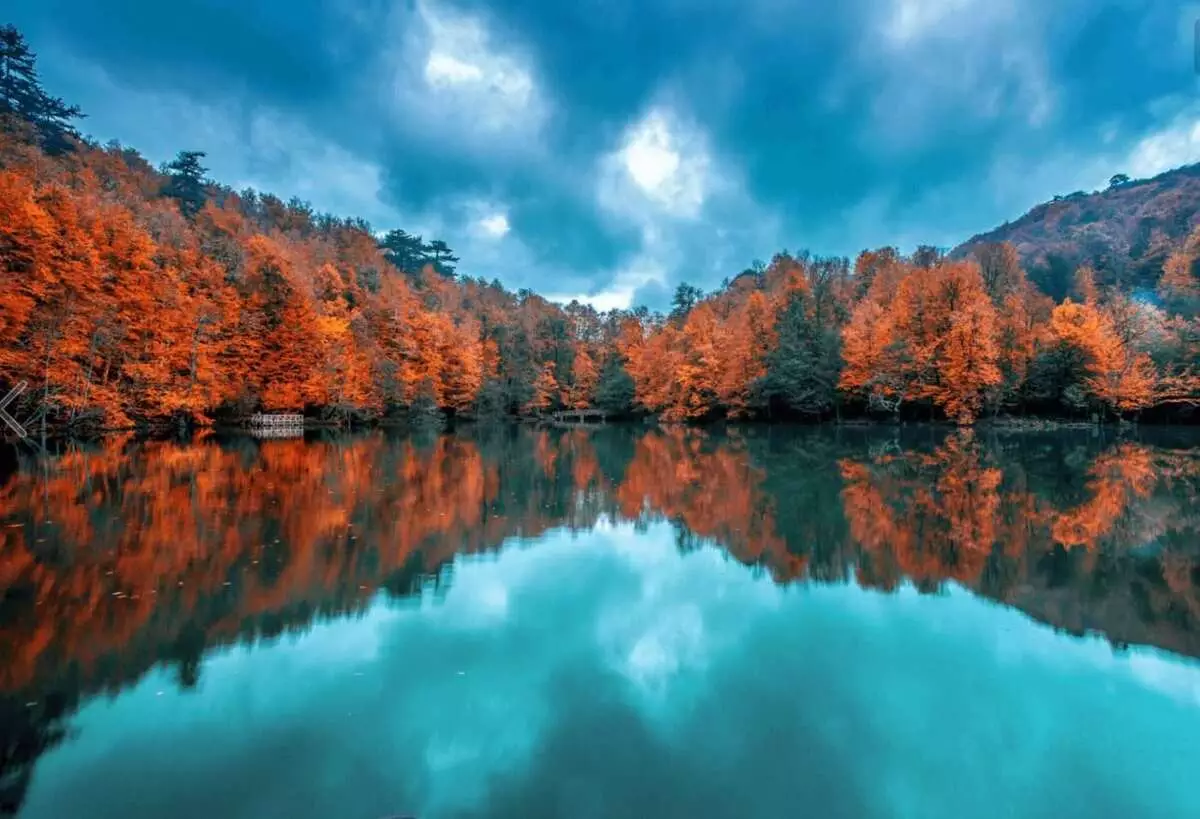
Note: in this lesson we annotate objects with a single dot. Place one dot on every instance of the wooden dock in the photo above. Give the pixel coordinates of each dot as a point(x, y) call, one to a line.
point(263, 420)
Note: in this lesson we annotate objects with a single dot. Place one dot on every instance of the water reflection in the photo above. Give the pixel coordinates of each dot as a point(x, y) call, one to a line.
point(143, 565)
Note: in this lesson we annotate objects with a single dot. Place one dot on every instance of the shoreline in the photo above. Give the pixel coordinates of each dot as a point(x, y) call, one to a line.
point(998, 424)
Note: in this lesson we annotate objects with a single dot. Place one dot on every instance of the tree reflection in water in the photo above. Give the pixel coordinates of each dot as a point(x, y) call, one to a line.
point(117, 557)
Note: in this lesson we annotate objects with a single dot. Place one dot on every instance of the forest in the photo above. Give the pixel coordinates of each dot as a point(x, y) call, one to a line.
point(136, 296)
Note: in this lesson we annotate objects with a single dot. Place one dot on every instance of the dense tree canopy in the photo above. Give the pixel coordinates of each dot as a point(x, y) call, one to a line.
point(135, 295)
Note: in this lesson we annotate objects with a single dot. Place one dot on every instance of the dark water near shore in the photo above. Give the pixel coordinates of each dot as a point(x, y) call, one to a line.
point(617, 622)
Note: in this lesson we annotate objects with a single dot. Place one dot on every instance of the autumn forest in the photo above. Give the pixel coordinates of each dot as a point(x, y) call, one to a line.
point(140, 296)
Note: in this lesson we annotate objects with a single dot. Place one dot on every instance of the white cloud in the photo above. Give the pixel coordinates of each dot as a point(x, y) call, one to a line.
point(479, 229)
point(648, 266)
point(878, 218)
point(246, 145)
point(449, 70)
point(658, 174)
point(663, 179)
point(1015, 181)
point(1178, 143)
point(649, 158)
point(912, 19)
point(495, 224)
point(462, 53)
point(662, 162)
point(448, 74)
point(284, 157)
point(939, 61)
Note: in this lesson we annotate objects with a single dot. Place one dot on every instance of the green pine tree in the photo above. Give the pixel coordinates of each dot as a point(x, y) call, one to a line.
point(442, 258)
point(802, 370)
point(22, 95)
point(186, 182)
point(615, 388)
point(405, 251)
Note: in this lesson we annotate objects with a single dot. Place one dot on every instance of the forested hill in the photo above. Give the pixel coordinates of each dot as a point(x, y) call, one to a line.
point(139, 296)
point(1126, 233)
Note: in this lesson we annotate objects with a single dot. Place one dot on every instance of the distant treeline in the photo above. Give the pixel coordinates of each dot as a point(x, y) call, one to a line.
point(133, 295)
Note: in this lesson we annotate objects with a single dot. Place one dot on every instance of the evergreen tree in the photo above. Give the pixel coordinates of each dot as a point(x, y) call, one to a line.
point(615, 389)
point(186, 183)
point(686, 297)
point(424, 413)
point(803, 369)
point(443, 260)
point(492, 401)
point(926, 256)
point(405, 251)
point(22, 95)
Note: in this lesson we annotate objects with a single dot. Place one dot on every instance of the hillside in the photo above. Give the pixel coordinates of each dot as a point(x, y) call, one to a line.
point(1125, 232)
point(143, 297)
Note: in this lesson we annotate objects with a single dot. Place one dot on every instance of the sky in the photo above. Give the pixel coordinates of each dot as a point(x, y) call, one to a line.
point(607, 150)
point(604, 672)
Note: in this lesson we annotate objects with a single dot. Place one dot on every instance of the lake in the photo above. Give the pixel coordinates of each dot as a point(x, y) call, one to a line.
point(609, 622)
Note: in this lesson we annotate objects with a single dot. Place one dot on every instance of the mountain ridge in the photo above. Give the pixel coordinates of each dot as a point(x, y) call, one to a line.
point(1125, 232)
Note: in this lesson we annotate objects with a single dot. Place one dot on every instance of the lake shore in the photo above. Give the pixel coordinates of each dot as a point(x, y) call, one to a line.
point(1003, 424)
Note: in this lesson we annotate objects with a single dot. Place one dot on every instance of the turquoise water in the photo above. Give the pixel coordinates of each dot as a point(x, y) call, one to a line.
point(609, 665)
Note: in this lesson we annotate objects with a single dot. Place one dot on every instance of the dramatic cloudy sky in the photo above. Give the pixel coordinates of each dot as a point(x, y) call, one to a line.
point(611, 148)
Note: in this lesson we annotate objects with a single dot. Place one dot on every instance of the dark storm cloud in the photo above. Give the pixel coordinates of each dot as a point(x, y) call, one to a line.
point(277, 50)
point(762, 123)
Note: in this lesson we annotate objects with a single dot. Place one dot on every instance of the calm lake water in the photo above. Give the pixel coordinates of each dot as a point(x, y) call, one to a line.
point(617, 622)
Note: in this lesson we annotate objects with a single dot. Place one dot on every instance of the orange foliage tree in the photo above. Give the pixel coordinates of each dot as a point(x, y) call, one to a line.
point(584, 376)
point(924, 333)
point(138, 296)
point(1178, 285)
point(1120, 378)
point(545, 390)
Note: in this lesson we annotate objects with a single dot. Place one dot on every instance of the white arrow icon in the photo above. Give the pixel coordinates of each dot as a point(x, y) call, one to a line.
point(13, 395)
